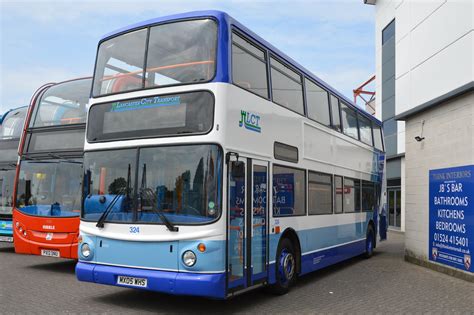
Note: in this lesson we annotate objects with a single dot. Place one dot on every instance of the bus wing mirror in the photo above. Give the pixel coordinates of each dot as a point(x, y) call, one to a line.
point(238, 169)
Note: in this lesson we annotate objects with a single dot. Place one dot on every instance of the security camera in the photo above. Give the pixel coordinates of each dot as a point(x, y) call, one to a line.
point(419, 139)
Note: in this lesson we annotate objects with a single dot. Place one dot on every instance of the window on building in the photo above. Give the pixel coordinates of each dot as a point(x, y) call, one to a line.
point(249, 68)
point(287, 88)
point(349, 121)
point(378, 143)
point(336, 118)
point(289, 191)
point(368, 196)
point(317, 103)
point(388, 32)
point(338, 194)
point(390, 136)
point(365, 130)
point(319, 193)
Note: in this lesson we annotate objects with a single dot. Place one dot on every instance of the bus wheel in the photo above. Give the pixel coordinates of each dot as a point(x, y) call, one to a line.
point(285, 267)
point(369, 242)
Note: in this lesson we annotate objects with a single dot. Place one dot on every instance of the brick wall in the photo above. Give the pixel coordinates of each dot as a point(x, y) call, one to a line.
point(449, 142)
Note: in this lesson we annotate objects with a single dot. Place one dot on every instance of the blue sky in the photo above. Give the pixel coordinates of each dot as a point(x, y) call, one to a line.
point(49, 41)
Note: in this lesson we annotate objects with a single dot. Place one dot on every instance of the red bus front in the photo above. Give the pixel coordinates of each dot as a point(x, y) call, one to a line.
point(48, 181)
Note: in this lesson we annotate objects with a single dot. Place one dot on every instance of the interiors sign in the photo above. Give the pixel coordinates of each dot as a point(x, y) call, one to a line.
point(452, 217)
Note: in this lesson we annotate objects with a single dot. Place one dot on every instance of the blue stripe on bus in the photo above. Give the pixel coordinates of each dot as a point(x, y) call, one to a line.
point(197, 284)
point(6, 228)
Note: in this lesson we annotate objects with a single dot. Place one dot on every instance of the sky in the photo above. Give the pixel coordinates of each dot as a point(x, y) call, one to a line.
point(51, 41)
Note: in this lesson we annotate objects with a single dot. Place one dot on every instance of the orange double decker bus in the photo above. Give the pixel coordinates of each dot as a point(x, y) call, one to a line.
point(48, 184)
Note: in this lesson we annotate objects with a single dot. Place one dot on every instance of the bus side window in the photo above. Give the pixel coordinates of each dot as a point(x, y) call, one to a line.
point(249, 66)
point(287, 87)
point(336, 115)
point(317, 100)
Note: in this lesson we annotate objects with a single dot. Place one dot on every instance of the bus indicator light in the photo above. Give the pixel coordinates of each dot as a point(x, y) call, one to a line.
point(277, 229)
point(201, 247)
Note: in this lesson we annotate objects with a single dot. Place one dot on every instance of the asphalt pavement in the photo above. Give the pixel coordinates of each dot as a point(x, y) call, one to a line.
point(383, 284)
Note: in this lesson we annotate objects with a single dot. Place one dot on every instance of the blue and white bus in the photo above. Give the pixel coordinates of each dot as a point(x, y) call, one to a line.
point(214, 163)
point(10, 134)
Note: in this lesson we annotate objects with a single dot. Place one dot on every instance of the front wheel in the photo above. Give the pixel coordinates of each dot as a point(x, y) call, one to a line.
point(369, 242)
point(285, 268)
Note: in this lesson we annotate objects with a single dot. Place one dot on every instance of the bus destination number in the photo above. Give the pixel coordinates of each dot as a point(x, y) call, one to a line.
point(134, 230)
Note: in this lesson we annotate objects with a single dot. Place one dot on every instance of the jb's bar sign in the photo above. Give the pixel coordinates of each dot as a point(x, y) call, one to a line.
point(451, 204)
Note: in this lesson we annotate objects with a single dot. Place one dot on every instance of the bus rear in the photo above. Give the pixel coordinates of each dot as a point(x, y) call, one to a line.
point(10, 133)
point(49, 178)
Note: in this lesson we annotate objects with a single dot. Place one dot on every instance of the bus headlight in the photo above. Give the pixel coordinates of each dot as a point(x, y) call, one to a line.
point(189, 258)
point(85, 250)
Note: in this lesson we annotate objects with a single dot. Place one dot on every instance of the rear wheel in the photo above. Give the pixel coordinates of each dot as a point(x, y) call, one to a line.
point(369, 242)
point(285, 267)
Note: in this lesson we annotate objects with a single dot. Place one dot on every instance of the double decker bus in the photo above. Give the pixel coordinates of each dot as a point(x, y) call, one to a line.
point(10, 133)
point(49, 177)
point(215, 164)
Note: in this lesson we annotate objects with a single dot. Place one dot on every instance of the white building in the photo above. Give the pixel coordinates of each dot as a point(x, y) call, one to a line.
point(425, 89)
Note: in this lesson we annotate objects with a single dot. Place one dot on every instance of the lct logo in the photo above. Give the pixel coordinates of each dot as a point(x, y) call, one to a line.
point(250, 121)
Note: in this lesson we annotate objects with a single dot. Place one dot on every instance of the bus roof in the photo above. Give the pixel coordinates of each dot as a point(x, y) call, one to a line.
point(223, 17)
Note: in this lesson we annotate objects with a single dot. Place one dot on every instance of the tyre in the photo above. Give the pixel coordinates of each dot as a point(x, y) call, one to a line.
point(285, 268)
point(369, 242)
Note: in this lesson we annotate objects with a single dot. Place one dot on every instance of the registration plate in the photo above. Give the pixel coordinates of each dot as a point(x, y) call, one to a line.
point(132, 281)
point(50, 253)
point(8, 239)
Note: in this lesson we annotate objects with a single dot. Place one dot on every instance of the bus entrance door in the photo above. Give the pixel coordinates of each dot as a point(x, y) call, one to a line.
point(248, 217)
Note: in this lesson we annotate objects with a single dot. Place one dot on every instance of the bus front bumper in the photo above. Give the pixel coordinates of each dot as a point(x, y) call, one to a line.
point(210, 285)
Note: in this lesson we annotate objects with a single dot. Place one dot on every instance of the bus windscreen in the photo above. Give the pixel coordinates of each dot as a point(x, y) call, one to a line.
point(178, 53)
point(50, 188)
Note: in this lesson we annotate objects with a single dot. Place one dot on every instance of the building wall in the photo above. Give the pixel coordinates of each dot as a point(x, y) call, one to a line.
point(449, 142)
point(434, 45)
point(434, 49)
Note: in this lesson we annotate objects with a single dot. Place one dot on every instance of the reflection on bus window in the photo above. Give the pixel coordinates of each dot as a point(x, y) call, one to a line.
point(289, 192)
point(12, 124)
point(180, 182)
point(178, 53)
point(7, 177)
point(62, 104)
point(50, 188)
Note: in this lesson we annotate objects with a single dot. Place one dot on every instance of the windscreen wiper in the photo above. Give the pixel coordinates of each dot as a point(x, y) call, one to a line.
point(100, 222)
point(169, 225)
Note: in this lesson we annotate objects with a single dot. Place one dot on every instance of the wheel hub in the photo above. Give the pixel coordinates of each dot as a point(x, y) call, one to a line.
point(287, 266)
